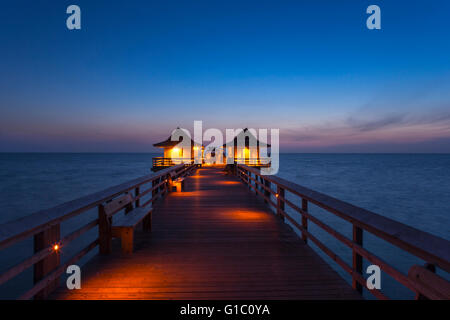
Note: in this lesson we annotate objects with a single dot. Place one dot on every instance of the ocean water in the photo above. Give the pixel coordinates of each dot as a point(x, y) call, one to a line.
point(411, 188)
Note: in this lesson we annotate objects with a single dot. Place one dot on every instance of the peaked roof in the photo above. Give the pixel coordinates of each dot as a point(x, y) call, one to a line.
point(169, 143)
point(248, 134)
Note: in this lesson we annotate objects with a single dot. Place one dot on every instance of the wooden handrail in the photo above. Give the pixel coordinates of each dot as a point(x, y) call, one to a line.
point(19, 229)
point(45, 225)
point(433, 249)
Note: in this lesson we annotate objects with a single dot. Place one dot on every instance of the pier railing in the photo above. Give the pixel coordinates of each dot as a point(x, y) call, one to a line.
point(168, 162)
point(434, 250)
point(253, 162)
point(44, 227)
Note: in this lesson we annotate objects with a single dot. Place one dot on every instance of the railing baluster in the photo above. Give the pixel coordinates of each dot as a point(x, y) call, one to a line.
point(280, 202)
point(155, 191)
point(47, 239)
point(161, 188)
point(166, 184)
point(267, 192)
point(304, 220)
point(357, 258)
point(136, 194)
point(104, 231)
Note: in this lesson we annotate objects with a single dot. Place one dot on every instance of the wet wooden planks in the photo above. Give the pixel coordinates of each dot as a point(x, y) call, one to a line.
point(216, 240)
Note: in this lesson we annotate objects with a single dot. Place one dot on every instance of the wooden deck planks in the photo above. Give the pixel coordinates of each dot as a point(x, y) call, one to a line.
point(216, 240)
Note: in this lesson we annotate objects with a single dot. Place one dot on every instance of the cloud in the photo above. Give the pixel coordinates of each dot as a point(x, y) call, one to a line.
point(388, 129)
point(371, 125)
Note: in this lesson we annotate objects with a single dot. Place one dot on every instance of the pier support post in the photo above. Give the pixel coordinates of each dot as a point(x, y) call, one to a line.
point(357, 259)
point(304, 220)
point(47, 239)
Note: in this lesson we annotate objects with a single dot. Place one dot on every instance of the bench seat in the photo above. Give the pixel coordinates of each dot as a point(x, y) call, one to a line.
point(428, 284)
point(177, 183)
point(124, 226)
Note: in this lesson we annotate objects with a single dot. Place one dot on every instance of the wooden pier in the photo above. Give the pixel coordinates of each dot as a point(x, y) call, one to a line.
point(204, 246)
point(219, 239)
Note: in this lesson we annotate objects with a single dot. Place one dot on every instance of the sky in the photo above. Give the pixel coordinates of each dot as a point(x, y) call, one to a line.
point(138, 69)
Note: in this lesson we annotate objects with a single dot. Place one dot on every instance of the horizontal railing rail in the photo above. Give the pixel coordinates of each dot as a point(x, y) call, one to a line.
point(44, 227)
point(253, 162)
point(432, 249)
point(168, 162)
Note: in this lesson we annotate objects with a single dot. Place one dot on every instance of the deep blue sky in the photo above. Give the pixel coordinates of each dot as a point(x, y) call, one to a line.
point(137, 69)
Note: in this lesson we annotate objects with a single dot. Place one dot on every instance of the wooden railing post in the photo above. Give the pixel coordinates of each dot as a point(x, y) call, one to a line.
point(161, 188)
point(357, 259)
point(47, 239)
point(166, 184)
point(280, 203)
point(267, 193)
point(155, 191)
point(104, 231)
point(136, 194)
point(304, 220)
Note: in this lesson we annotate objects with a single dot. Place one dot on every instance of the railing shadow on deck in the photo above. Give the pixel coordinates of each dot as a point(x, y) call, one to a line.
point(432, 249)
point(44, 228)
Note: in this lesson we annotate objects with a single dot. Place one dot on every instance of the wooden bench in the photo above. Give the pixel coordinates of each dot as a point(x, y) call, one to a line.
point(428, 284)
point(177, 183)
point(123, 227)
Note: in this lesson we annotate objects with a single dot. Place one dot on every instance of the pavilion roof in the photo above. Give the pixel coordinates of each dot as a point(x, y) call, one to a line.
point(170, 143)
point(247, 133)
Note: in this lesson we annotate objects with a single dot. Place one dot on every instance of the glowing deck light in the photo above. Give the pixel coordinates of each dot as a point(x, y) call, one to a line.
point(276, 195)
point(56, 247)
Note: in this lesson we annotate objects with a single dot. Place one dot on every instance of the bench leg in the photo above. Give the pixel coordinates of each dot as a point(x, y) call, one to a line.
point(147, 223)
point(127, 240)
point(179, 186)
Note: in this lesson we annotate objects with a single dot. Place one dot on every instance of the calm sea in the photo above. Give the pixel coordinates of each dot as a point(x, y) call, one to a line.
point(411, 188)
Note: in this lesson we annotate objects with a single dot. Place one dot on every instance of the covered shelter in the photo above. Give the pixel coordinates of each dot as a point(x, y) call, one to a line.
point(173, 153)
point(246, 148)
